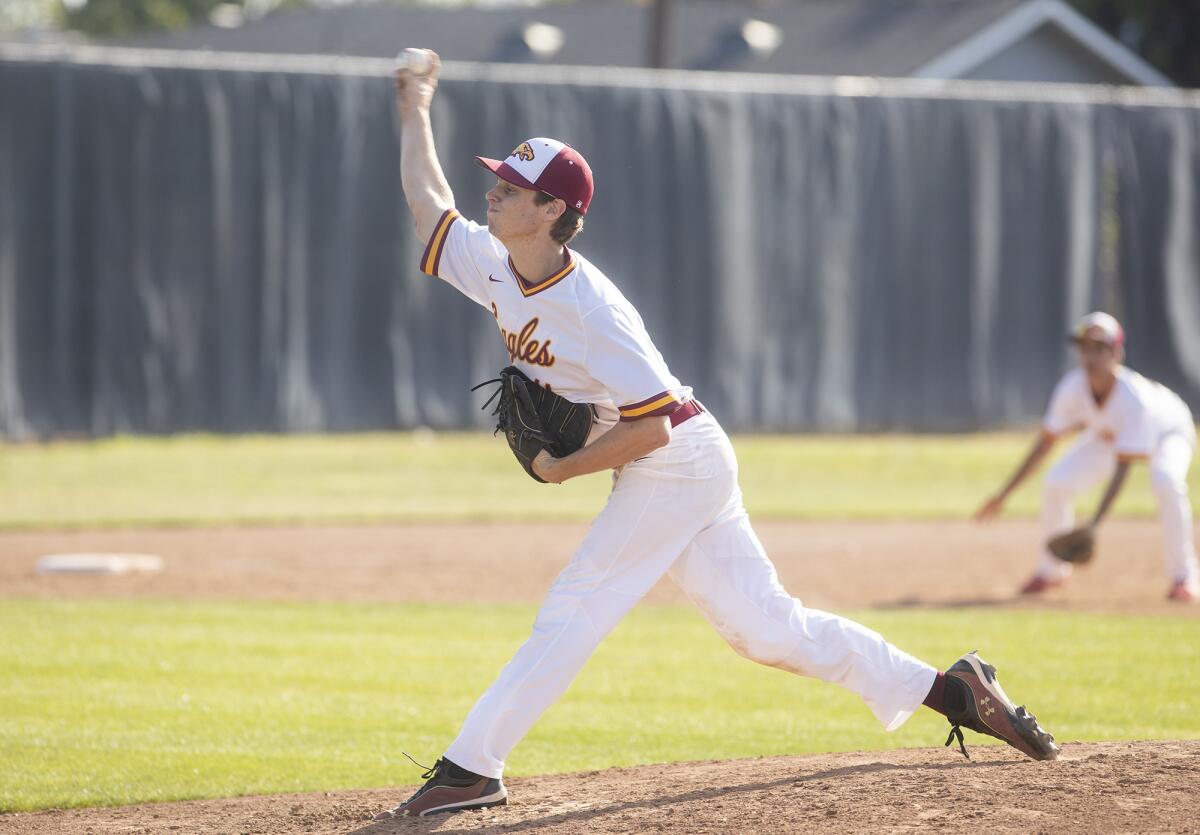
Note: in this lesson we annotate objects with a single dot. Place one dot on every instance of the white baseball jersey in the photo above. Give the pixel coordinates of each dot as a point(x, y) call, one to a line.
point(572, 332)
point(1137, 414)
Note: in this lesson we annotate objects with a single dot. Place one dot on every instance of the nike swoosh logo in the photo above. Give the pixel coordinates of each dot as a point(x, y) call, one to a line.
point(498, 281)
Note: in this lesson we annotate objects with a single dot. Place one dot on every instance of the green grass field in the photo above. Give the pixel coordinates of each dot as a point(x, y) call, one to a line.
point(119, 702)
point(409, 477)
point(112, 703)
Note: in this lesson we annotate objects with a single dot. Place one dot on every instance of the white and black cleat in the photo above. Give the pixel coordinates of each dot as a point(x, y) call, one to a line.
point(450, 789)
point(980, 704)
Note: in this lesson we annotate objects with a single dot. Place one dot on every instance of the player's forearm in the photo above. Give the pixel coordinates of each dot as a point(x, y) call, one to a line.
point(425, 187)
point(1114, 490)
point(1032, 461)
point(620, 445)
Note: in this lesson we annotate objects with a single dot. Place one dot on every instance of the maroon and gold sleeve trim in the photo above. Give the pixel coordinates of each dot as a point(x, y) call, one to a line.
point(432, 256)
point(656, 406)
point(1132, 457)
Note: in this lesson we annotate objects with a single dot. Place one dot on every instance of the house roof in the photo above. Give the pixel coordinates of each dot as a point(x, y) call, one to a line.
point(930, 38)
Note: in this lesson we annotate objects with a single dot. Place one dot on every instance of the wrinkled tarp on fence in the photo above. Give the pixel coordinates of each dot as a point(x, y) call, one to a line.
point(203, 242)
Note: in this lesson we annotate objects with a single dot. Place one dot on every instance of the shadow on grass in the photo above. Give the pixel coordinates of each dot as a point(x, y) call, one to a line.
point(443, 824)
point(964, 603)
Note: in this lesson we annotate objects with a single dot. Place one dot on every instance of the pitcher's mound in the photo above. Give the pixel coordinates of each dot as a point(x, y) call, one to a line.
point(1103, 787)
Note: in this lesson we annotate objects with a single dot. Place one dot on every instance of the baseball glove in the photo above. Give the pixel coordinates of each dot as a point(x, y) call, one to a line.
point(1077, 546)
point(534, 418)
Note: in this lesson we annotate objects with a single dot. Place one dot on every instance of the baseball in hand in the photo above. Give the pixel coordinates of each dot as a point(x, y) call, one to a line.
point(416, 61)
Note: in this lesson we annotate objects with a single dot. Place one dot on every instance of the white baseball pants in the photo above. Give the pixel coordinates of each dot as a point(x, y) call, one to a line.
point(680, 510)
point(1090, 461)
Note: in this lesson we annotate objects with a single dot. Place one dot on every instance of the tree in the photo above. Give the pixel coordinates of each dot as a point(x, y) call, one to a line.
point(16, 14)
point(114, 18)
point(1163, 32)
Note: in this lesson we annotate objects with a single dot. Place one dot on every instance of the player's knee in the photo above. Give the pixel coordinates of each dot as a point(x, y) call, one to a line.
point(1165, 484)
point(1057, 484)
point(768, 649)
point(768, 638)
point(569, 630)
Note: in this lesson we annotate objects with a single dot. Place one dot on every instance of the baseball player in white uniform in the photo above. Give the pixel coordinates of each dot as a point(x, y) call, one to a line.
point(1123, 418)
point(675, 507)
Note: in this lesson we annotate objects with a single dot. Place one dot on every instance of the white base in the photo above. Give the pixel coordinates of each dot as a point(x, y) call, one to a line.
point(98, 563)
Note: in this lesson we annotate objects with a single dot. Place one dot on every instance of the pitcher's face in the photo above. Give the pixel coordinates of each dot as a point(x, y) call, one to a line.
point(511, 212)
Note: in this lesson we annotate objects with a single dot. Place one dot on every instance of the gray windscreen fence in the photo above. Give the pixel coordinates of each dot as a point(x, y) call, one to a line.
point(220, 243)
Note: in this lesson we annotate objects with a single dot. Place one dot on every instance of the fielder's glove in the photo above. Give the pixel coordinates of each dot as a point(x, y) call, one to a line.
point(1077, 546)
point(534, 418)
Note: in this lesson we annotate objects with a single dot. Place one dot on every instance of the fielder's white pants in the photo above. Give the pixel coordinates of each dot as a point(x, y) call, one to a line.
point(1090, 461)
point(680, 510)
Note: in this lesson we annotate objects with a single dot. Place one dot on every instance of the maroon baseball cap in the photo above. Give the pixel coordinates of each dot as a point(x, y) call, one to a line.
point(547, 165)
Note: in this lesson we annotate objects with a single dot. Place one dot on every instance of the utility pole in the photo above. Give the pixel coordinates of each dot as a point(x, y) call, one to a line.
point(659, 32)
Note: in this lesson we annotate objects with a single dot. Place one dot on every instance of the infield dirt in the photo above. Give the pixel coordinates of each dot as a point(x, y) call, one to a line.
point(828, 565)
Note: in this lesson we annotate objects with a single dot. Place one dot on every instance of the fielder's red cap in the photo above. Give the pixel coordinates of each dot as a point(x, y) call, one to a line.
point(547, 165)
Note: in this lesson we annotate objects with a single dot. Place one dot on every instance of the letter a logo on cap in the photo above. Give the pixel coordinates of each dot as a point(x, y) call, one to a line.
point(547, 165)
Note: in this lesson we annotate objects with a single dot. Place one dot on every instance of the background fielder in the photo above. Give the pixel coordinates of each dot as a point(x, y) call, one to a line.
point(1124, 418)
point(675, 506)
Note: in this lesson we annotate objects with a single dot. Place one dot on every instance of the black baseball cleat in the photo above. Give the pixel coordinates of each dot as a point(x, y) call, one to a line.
point(450, 788)
point(975, 700)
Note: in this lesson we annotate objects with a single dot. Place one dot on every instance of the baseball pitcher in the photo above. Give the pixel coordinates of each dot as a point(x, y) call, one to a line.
point(576, 346)
point(1123, 418)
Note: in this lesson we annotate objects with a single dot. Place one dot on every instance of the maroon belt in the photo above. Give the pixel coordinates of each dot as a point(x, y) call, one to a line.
point(686, 412)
